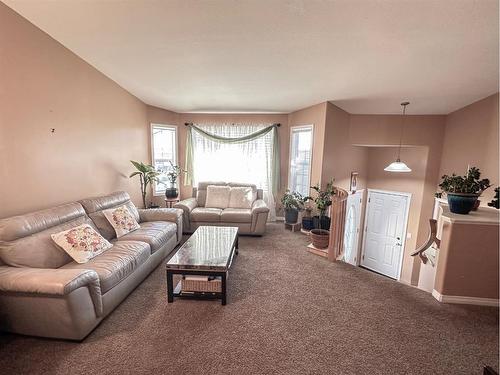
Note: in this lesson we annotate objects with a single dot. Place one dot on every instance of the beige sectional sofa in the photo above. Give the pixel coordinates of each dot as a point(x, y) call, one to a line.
point(250, 221)
point(43, 292)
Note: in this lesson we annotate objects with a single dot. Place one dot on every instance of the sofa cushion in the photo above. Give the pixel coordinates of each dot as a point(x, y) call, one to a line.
point(25, 240)
point(217, 196)
point(121, 220)
point(82, 243)
point(201, 191)
point(154, 233)
point(236, 215)
point(115, 264)
point(242, 197)
point(94, 207)
point(205, 214)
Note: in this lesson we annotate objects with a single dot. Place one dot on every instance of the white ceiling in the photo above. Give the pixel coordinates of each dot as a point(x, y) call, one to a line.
point(366, 56)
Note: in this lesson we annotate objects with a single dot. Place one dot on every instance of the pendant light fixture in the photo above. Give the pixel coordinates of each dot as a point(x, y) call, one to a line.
point(398, 165)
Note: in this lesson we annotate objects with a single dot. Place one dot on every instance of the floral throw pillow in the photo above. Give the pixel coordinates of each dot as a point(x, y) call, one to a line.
point(82, 243)
point(121, 219)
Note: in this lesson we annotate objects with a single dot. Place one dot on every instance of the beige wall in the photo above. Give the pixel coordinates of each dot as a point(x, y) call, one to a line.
point(468, 260)
point(340, 157)
point(99, 126)
point(316, 116)
point(471, 138)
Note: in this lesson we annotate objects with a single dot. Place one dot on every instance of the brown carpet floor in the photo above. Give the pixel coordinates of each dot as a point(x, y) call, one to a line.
point(289, 312)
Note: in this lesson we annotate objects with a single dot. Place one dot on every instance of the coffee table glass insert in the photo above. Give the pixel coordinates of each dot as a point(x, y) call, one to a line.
point(208, 252)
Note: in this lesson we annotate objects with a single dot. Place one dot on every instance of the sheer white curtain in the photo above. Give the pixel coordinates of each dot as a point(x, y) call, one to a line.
point(247, 162)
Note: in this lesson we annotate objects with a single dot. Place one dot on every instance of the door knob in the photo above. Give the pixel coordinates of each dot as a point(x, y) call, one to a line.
point(399, 244)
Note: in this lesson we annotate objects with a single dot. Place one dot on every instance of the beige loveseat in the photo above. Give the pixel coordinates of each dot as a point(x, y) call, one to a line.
point(43, 292)
point(250, 221)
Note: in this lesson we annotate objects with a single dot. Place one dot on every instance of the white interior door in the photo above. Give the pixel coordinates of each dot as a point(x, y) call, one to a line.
point(385, 231)
point(352, 227)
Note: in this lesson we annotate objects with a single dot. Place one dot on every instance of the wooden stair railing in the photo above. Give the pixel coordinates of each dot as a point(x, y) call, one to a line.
point(430, 240)
point(337, 224)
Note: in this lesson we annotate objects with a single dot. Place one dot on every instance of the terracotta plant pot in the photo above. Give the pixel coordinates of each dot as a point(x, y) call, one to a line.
point(320, 238)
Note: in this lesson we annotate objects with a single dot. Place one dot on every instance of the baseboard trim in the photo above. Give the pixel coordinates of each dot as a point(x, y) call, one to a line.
point(465, 300)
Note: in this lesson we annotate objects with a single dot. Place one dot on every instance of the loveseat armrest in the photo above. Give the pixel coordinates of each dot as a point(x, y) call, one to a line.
point(260, 212)
point(48, 281)
point(259, 206)
point(187, 205)
point(173, 215)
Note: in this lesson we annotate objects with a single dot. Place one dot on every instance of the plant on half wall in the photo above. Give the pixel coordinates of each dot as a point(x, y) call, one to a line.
point(496, 199)
point(462, 191)
point(147, 175)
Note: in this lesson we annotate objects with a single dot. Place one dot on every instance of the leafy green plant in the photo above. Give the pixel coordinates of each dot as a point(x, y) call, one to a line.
point(147, 175)
point(495, 202)
point(292, 200)
point(323, 198)
point(174, 173)
point(471, 183)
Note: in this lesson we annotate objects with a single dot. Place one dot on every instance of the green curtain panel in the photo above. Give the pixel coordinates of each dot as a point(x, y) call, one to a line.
point(247, 138)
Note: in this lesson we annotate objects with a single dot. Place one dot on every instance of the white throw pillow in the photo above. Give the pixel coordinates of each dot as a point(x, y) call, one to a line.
point(82, 243)
point(121, 219)
point(242, 197)
point(217, 196)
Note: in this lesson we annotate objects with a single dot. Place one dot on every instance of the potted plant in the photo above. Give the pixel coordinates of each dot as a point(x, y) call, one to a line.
point(292, 202)
point(495, 202)
point(462, 191)
point(147, 175)
point(320, 236)
point(307, 219)
point(172, 176)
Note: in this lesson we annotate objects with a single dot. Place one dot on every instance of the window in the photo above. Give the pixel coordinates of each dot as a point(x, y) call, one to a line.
point(164, 149)
point(246, 162)
point(301, 138)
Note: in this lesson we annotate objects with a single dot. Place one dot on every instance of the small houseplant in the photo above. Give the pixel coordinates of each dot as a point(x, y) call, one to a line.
point(172, 176)
point(320, 236)
point(292, 202)
point(462, 191)
point(147, 175)
point(496, 199)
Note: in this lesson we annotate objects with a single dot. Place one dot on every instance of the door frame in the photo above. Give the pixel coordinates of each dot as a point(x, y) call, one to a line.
point(405, 227)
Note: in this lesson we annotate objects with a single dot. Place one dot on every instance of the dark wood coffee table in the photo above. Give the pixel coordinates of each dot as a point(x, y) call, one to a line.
point(208, 252)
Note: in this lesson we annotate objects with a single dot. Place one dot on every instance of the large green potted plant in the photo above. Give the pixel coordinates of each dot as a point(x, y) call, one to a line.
point(172, 176)
point(147, 175)
point(292, 202)
point(322, 200)
point(320, 236)
point(462, 191)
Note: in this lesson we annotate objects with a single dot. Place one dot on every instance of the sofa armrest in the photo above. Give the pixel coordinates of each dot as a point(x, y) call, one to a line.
point(48, 281)
point(259, 206)
point(173, 215)
point(187, 205)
